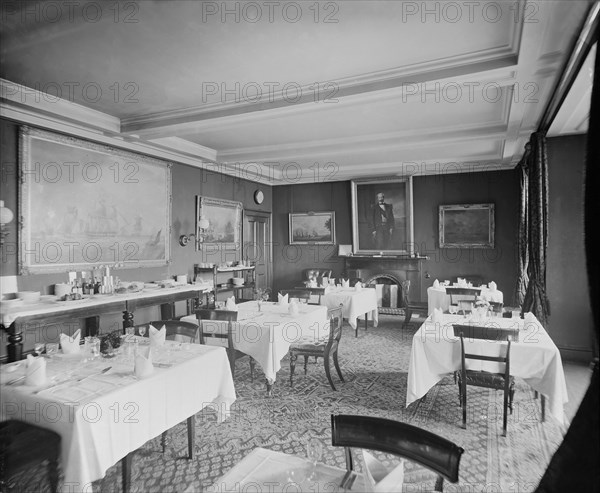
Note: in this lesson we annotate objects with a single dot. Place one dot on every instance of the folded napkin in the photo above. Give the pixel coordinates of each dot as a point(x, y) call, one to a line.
point(143, 362)
point(230, 304)
point(282, 299)
point(345, 283)
point(35, 371)
point(325, 281)
point(70, 345)
point(492, 286)
point(157, 337)
point(437, 315)
point(293, 308)
point(436, 284)
point(358, 286)
point(529, 317)
point(379, 478)
point(332, 281)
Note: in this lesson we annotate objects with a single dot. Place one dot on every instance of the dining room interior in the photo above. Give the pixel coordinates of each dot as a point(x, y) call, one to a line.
point(230, 227)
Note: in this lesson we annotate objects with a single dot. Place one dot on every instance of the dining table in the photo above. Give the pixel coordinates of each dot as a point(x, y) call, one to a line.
point(103, 411)
point(534, 357)
point(438, 298)
point(266, 334)
point(274, 471)
point(357, 303)
point(17, 316)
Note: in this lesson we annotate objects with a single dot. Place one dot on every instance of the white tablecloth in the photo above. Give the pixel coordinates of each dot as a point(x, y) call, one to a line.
point(534, 357)
point(437, 298)
point(267, 335)
point(357, 304)
point(104, 417)
point(268, 470)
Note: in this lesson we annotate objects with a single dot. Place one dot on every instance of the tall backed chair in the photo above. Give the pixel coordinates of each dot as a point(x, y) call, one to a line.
point(23, 445)
point(415, 444)
point(411, 307)
point(498, 381)
point(209, 331)
point(463, 298)
point(324, 349)
point(496, 308)
point(302, 295)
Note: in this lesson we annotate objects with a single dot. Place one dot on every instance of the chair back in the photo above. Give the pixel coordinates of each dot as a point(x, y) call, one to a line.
point(487, 333)
point(496, 308)
point(415, 444)
point(499, 358)
point(300, 294)
point(405, 290)
point(463, 298)
point(334, 315)
point(174, 328)
point(205, 315)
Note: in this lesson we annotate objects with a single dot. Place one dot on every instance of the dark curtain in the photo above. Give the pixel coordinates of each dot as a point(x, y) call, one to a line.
point(535, 300)
point(523, 234)
point(574, 466)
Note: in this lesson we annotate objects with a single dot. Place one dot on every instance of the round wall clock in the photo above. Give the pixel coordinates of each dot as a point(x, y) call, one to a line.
point(259, 196)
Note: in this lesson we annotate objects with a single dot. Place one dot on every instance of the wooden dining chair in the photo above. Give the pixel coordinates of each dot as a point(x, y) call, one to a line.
point(411, 307)
point(496, 308)
point(209, 331)
point(23, 445)
point(393, 437)
point(325, 349)
point(302, 295)
point(463, 298)
point(479, 378)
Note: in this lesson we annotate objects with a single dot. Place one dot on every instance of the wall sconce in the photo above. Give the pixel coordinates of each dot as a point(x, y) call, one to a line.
point(6, 216)
point(203, 225)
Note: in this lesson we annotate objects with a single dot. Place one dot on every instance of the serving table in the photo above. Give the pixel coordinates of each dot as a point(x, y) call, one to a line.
point(534, 357)
point(266, 335)
point(14, 319)
point(104, 417)
point(268, 470)
point(356, 304)
point(437, 297)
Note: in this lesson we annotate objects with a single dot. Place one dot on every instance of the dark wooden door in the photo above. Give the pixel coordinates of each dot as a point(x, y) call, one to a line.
point(257, 245)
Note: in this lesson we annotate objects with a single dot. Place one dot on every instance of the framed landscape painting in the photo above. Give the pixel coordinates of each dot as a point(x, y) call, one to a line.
point(314, 228)
point(225, 222)
point(84, 205)
point(466, 226)
point(382, 216)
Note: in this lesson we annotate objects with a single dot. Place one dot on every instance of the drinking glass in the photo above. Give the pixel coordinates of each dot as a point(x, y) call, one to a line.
point(129, 332)
point(142, 330)
point(51, 349)
point(314, 452)
point(38, 348)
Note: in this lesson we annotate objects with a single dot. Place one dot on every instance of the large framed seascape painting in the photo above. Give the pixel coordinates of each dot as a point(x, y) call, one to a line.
point(382, 216)
point(83, 205)
point(312, 228)
point(466, 226)
point(224, 218)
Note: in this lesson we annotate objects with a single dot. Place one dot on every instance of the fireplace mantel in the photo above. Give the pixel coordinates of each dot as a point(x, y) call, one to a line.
point(402, 267)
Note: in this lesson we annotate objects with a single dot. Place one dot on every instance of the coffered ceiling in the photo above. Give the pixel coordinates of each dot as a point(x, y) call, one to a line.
point(291, 92)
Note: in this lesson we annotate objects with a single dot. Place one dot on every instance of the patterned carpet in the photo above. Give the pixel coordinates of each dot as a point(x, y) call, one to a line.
point(375, 368)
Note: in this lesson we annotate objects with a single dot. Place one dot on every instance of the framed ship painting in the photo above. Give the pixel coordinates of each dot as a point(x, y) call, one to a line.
point(466, 226)
point(85, 205)
point(312, 228)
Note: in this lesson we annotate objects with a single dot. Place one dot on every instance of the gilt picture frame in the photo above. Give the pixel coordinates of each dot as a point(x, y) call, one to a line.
point(466, 226)
point(312, 228)
point(83, 205)
point(384, 228)
point(225, 223)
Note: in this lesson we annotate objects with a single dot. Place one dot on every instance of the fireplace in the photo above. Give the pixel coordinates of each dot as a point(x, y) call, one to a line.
point(388, 271)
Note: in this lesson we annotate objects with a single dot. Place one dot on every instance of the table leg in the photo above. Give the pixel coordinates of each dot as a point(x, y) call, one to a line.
point(269, 386)
point(366, 319)
point(127, 319)
point(92, 326)
point(167, 311)
point(126, 472)
point(14, 348)
point(191, 424)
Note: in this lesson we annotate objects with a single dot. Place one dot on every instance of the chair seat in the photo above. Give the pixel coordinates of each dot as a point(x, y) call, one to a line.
point(308, 348)
point(486, 379)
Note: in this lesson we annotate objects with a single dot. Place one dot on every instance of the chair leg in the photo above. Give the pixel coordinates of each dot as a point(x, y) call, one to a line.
point(328, 371)
point(511, 396)
point(305, 364)
point(459, 391)
point(191, 424)
point(504, 414)
point(543, 402)
point(163, 441)
point(252, 366)
point(464, 404)
point(293, 358)
point(337, 365)
point(407, 317)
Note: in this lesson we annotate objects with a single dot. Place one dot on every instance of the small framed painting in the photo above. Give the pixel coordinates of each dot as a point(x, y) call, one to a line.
point(312, 228)
point(466, 226)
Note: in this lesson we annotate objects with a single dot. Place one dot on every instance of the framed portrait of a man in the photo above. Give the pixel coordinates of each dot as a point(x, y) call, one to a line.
point(382, 216)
